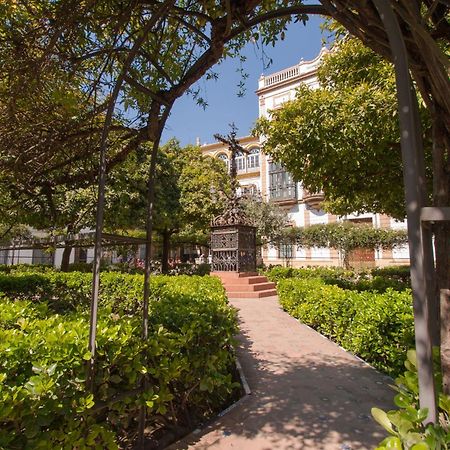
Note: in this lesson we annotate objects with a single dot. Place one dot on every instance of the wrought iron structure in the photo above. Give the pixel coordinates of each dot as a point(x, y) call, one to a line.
point(233, 242)
point(233, 237)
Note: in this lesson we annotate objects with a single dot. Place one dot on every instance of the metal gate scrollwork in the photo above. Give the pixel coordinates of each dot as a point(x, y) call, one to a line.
point(233, 243)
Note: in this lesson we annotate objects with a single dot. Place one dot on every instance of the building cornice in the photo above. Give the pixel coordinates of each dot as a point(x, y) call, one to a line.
point(245, 141)
point(299, 72)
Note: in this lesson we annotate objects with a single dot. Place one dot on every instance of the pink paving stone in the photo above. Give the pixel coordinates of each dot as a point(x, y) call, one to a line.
point(307, 393)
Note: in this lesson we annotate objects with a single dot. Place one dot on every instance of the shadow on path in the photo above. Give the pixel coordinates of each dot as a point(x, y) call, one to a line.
point(307, 393)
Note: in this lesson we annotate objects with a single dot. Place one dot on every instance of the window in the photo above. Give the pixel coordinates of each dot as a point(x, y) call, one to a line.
point(41, 257)
point(253, 158)
point(281, 184)
point(225, 159)
point(240, 162)
point(285, 251)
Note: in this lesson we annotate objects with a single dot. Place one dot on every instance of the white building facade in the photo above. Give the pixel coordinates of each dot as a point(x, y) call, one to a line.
point(257, 173)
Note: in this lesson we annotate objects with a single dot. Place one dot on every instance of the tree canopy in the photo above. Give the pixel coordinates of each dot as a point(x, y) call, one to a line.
point(142, 56)
point(270, 220)
point(343, 138)
point(70, 70)
point(190, 189)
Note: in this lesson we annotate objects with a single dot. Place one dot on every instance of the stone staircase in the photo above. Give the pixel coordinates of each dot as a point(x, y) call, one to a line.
point(246, 284)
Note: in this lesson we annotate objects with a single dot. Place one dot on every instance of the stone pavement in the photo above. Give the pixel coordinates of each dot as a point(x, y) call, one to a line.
point(307, 393)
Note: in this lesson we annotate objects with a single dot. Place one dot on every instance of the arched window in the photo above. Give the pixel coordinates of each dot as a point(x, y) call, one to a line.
point(253, 158)
point(225, 159)
point(240, 161)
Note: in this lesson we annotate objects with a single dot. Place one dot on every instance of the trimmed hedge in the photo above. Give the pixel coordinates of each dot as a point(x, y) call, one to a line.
point(277, 273)
point(44, 327)
point(8, 268)
point(379, 280)
point(378, 327)
point(394, 272)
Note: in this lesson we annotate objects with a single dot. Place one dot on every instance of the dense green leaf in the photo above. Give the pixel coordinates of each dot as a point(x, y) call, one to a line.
point(43, 400)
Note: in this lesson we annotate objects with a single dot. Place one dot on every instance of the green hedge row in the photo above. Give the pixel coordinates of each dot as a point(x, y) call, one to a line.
point(277, 273)
point(179, 269)
point(44, 326)
point(378, 327)
point(379, 280)
point(123, 292)
point(8, 268)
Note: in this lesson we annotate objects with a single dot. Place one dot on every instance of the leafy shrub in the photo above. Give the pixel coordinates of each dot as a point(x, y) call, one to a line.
point(364, 283)
point(393, 272)
point(80, 267)
point(191, 269)
point(69, 290)
point(378, 327)
point(277, 273)
point(405, 425)
point(309, 300)
point(155, 268)
point(19, 268)
point(346, 279)
point(43, 400)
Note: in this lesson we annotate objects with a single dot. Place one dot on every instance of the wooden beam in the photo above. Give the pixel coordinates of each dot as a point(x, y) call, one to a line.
point(435, 214)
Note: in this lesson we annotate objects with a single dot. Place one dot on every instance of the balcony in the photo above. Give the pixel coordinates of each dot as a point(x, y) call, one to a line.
point(313, 200)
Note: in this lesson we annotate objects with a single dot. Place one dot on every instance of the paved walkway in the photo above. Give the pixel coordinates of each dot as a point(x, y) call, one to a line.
point(307, 393)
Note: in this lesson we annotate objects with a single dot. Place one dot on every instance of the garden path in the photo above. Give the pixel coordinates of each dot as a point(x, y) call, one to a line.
point(306, 392)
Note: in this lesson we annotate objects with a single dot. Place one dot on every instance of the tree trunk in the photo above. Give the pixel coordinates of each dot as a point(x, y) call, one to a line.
point(165, 251)
point(66, 257)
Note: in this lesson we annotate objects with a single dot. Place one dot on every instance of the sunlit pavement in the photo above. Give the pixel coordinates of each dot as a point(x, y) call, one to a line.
point(306, 392)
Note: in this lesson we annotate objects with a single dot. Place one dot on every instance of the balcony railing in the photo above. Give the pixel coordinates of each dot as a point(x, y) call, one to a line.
point(303, 68)
point(283, 75)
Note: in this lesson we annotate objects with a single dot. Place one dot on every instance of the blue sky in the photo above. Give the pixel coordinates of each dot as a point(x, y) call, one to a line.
point(189, 121)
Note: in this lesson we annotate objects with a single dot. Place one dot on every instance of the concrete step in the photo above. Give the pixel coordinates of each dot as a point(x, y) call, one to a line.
point(234, 275)
point(253, 294)
point(249, 287)
point(246, 284)
point(235, 279)
point(253, 279)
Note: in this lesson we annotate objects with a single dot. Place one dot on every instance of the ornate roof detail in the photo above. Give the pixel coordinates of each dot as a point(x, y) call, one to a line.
point(232, 216)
